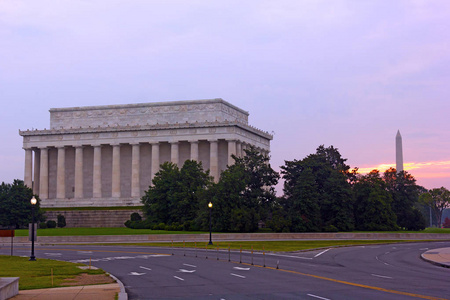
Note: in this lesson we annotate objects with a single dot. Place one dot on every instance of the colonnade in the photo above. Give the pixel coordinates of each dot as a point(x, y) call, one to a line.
point(39, 176)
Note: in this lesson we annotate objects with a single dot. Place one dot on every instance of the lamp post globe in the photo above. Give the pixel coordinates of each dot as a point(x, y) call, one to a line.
point(210, 234)
point(33, 203)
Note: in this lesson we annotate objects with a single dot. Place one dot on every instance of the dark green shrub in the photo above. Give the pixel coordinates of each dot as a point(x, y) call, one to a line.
point(160, 226)
point(187, 225)
point(330, 228)
point(135, 217)
point(51, 224)
point(61, 221)
point(42, 225)
point(138, 224)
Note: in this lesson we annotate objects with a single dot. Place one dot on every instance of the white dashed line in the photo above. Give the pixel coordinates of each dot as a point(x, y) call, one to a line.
point(145, 268)
point(186, 271)
point(187, 265)
point(240, 276)
point(53, 254)
point(318, 297)
point(179, 278)
point(241, 269)
point(381, 276)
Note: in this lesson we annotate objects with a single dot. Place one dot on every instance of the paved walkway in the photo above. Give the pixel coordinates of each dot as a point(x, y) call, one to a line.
point(87, 292)
point(439, 257)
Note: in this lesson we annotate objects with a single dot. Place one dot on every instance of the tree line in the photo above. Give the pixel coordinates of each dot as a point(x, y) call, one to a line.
point(321, 193)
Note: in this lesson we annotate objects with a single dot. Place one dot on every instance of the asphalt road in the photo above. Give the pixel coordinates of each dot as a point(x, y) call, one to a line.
point(392, 271)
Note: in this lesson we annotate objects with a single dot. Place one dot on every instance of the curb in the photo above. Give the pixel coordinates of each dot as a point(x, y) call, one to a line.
point(434, 262)
point(123, 294)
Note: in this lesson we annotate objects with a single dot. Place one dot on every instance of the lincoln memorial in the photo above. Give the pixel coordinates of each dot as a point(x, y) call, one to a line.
point(108, 155)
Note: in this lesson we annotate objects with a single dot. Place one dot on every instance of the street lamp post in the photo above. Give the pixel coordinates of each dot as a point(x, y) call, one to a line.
point(210, 210)
point(33, 203)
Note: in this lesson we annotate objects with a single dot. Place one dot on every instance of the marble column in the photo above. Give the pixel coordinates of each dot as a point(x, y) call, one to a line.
point(97, 172)
point(174, 153)
point(244, 147)
point(61, 174)
point(135, 171)
point(155, 159)
point(28, 176)
point(214, 159)
point(116, 171)
point(194, 150)
point(231, 151)
point(79, 172)
point(238, 149)
point(43, 176)
point(37, 171)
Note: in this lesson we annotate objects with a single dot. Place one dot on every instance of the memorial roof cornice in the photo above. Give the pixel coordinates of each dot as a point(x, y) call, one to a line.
point(98, 129)
point(150, 104)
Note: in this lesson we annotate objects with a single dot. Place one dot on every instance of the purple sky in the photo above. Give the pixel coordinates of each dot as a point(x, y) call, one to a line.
point(341, 73)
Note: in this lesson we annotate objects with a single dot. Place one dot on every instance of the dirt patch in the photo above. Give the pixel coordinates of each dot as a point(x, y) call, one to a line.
point(86, 279)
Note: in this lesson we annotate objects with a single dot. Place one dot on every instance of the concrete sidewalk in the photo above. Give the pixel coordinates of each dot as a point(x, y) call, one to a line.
point(440, 257)
point(87, 292)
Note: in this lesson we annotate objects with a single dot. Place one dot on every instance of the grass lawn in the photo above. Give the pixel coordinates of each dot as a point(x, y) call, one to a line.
point(273, 246)
point(128, 231)
point(37, 274)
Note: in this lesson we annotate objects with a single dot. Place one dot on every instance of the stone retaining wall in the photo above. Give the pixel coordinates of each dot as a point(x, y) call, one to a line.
point(93, 218)
point(228, 237)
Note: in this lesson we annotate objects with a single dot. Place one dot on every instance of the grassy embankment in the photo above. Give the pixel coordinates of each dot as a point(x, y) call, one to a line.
point(128, 231)
point(275, 246)
point(38, 274)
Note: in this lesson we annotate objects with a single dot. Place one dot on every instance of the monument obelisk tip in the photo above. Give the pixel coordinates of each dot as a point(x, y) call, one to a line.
point(398, 152)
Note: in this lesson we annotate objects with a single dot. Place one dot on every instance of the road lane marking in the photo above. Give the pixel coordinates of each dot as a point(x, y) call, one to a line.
point(349, 283)
point(318, 297)
point(145, 268)
point(382, 261)
point(237, 275)
point(136, 274)
point(187, 265)
point(319, 254)
point(53, 254)
point(241, 269)
point(186, 271)
point(179, 278)
point(113, 258)
point(106, 251)
point(381, 276)
point(84, 252)
point(290, 256)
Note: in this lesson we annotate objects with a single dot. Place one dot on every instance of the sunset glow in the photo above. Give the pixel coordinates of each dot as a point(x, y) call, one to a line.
point(432, 169)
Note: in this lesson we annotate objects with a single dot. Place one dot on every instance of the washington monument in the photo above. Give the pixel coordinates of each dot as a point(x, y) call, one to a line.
point(398, 152)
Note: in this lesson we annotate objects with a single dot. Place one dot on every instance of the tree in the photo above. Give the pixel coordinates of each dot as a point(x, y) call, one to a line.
point(318, 192)
point(174, 195)
point(243, 195)
point(438, 200)
point(405, 194)
point(373, 204)
point(15, 205)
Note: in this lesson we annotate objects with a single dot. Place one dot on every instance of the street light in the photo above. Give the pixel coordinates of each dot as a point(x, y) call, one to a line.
point(210, 210)
point(33, 203)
